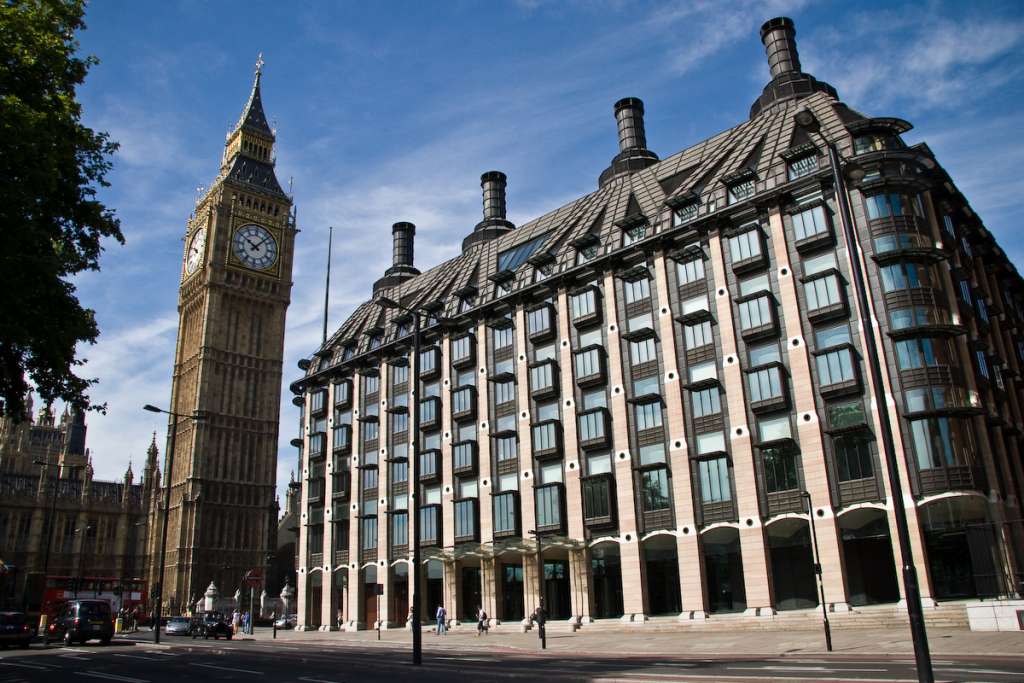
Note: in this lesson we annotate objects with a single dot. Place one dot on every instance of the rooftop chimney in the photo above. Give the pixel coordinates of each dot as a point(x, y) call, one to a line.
point(495, 222)
point(629, 114)
point(401, 269)
point(779, 38)
point(788, 81)
point(493, 184)
point(402, 235)
point(633, 153)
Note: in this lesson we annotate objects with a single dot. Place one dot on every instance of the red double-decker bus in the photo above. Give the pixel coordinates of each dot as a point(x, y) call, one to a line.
point(129, 593)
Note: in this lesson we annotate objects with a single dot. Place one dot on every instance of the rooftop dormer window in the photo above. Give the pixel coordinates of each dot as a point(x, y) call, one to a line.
point(876, 142)
point(634, 234)
point(684, 214)
point(511, 259)
point(743, 189)
point(802, 166)
point(348, 353)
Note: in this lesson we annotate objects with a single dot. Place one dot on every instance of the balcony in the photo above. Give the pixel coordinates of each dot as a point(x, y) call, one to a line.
point(595, 429)
point(859, 490)
point(767, 388)
point(465, 455)
point(550, 500)
point(340, 557)
point(951, 478)
point(343, 394)
point(429, 527)
point(343, 439)
point(547, 439)
point(826, 296)
point(316, 559)
point(317, 445)
point(463, 351)
point(838, 372)
point(430, 466)
point(780, 502)
point(543, 379)
point(318, 403)
point(467, 520)
point(585, 307)
point(340, 485)
point(540, 322)
point(599, 505)
point(590, 366)
point(758, 318)
point(464, 403)
point(430, 414)
point(430, 363)
point(720, 511)
point(506, 515)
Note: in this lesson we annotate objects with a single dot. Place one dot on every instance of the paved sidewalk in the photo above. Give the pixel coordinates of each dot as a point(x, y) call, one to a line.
point(858, 642)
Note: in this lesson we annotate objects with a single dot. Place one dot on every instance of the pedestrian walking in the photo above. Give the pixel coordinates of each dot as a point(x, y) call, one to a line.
point(442, 615)
point(481, 621)
point(235, 618)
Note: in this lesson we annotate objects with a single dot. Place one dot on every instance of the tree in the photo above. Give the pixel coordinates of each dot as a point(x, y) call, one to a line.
point(51, 223)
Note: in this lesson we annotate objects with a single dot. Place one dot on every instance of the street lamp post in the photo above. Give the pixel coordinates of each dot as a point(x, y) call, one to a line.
point(169, 466)
point(541, 617)
point(817, 570)
point(414, 464)
point(805, 118)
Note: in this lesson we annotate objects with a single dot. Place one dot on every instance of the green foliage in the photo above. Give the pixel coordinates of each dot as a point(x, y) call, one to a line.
point(51, 224)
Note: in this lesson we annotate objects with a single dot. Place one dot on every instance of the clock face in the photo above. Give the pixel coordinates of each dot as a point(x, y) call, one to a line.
point(254, 247)
point(196, 249)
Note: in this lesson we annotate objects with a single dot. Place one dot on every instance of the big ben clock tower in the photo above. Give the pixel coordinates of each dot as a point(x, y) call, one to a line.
point(234, 293)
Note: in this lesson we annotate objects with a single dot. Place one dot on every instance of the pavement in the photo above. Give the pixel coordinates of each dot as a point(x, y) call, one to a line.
point(637, 640)
point(600, 656)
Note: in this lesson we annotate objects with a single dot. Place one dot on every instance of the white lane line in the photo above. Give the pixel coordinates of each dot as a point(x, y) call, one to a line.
point(28, 666)
point(980, 671)
point(780, 668)
point(75, 649)
point(228, 668)
point(145, 659)
point(315, 680)
point(112, 677)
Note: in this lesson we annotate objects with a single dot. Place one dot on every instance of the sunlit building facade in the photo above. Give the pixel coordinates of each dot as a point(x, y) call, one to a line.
point(657, 375)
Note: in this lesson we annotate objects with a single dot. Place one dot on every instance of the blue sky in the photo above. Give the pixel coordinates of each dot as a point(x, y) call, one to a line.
point(390, 111)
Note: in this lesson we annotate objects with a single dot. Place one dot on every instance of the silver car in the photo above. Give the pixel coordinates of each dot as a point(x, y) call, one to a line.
point(178, 626)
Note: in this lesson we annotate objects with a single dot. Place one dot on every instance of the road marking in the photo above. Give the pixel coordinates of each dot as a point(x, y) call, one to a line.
point(228, 668)
point(75, 649)
point(980, 671)
point(780, 668)
point(315, 680)
point(112, 677)
point(145, 659)
point(28, 666)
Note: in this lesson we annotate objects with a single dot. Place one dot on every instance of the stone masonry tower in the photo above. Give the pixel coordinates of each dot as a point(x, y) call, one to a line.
point(234, 293)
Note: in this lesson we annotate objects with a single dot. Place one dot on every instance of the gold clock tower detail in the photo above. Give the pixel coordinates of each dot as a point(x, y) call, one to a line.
point(235, 289)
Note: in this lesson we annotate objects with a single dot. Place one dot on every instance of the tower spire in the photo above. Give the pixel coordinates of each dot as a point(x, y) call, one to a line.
point(253, 118)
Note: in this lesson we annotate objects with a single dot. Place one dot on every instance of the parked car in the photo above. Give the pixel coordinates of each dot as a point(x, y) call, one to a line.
point(211, 624)
point(14, 629)
point(82, 620)
point(178, 626)
point(286, 621)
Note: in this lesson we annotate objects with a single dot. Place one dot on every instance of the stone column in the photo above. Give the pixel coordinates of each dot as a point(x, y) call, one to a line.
point(573, 462)
point(526, 480)
point(483, 441)
point(634, 593)
point(690, 556)
point(812, 448)
point(756, 578)
point(579, 576)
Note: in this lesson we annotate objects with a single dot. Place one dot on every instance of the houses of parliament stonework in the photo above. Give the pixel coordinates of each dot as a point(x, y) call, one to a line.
point(234, 292)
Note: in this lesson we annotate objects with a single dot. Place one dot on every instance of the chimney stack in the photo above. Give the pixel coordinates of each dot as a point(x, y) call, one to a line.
point(629, 115)
point(788, 82)
point(493, 184)
point(495, 222)
point(401, 269)
point(779, 38)
point(633, 153)
point(402, 235)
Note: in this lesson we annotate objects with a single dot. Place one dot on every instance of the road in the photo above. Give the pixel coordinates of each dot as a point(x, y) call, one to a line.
point(267, 661)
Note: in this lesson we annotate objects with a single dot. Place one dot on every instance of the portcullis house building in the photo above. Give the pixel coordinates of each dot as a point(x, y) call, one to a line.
point(658, 376)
